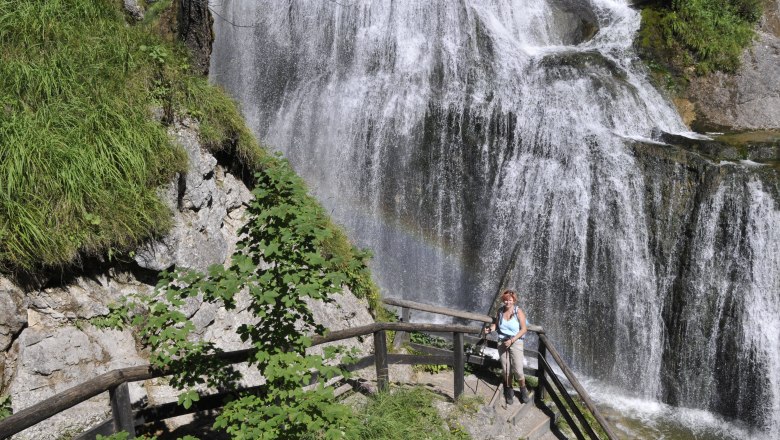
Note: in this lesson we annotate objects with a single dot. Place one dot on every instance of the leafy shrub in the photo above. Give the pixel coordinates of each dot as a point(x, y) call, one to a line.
point(5, 407)
point(281, 261)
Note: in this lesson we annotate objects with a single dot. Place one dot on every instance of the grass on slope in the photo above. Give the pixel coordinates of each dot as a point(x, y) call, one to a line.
point(80, 154)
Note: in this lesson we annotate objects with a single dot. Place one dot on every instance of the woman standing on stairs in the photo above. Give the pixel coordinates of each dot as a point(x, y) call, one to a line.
point(511, 325)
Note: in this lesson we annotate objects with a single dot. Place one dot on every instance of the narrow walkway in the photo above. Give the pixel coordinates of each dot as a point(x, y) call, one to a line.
point(494, 419)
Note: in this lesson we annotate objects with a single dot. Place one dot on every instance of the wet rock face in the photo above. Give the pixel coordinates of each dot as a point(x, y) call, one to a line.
point(701, 202)
point(576, 20)
point(194, 29)
point(750, 98)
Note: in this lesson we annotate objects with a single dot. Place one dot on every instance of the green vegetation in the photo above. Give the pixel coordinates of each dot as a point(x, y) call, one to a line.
point(281, 261)
point(81, 154)
point(433, 341)
point(5, 407)
point(697, 35)
point(404, 414)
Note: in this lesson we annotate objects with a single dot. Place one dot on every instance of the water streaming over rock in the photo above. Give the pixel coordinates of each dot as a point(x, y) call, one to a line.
point(470, 142)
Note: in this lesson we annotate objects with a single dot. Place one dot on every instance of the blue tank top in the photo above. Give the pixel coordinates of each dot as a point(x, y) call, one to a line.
point(508, 327)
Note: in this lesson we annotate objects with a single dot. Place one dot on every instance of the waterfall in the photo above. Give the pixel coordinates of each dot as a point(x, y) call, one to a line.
point(446, 135)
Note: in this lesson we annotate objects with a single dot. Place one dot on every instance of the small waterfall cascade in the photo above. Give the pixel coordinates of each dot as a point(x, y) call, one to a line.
point(468, 142)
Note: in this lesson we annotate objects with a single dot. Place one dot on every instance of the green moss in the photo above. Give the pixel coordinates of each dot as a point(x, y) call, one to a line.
point(698, 35)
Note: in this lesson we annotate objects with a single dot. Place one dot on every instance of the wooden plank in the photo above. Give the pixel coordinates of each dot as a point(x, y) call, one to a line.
point(416, 359)
point(577, 387)
point(402, 337)
point(72, 396)
point(541, 387)
point(339, 335)
point(459, 360)
point(105, 428)
point(437, 309)
point(564, 412)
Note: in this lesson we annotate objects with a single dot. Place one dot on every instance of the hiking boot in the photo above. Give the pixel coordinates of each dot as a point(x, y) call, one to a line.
point(509, 395)
point(524, 397)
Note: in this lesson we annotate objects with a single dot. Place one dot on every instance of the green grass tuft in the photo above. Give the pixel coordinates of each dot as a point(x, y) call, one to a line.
point(404, 414)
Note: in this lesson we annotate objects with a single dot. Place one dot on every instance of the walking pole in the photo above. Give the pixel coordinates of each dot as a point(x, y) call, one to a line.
point(507, 372)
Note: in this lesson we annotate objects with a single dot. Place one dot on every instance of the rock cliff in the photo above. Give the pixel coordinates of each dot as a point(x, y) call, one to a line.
point(47, 343)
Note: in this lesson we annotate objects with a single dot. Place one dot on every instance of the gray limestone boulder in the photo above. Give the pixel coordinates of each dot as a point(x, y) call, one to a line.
point(51, 356)
point(13, 312)
point(207, 205)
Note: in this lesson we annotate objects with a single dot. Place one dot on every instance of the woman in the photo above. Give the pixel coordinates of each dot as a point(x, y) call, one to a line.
point(511, 326)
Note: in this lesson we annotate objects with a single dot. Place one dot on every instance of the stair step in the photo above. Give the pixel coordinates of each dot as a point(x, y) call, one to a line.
point(535, 425)
point(522, 409)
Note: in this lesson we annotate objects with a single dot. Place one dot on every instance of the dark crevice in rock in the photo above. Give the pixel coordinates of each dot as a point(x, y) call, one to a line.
point(181, 186)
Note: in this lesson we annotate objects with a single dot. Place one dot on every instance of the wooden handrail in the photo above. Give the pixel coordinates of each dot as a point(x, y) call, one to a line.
point(72, 396)
point(449, 312)
point(577, 387)
point(61, 401)
point(544, 347)
point(113, 379)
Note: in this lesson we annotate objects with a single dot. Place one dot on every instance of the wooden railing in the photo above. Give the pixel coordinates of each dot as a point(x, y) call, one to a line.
point(549, 382)
point(125, 419)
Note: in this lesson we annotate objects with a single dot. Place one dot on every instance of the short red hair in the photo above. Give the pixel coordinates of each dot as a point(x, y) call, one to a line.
point(509, 294)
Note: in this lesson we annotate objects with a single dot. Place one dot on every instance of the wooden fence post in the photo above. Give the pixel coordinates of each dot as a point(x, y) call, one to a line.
point(541, 388)
point(121, 411)
point(459, 363)
point(380, 359)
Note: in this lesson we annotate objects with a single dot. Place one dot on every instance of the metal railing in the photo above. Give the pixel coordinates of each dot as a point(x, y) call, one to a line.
point(549, 382)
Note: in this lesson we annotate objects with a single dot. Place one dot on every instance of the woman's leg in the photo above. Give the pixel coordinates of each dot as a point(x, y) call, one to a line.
point(517, 357)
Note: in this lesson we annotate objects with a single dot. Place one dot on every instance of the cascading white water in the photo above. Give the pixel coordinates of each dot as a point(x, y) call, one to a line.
point(448, 136)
